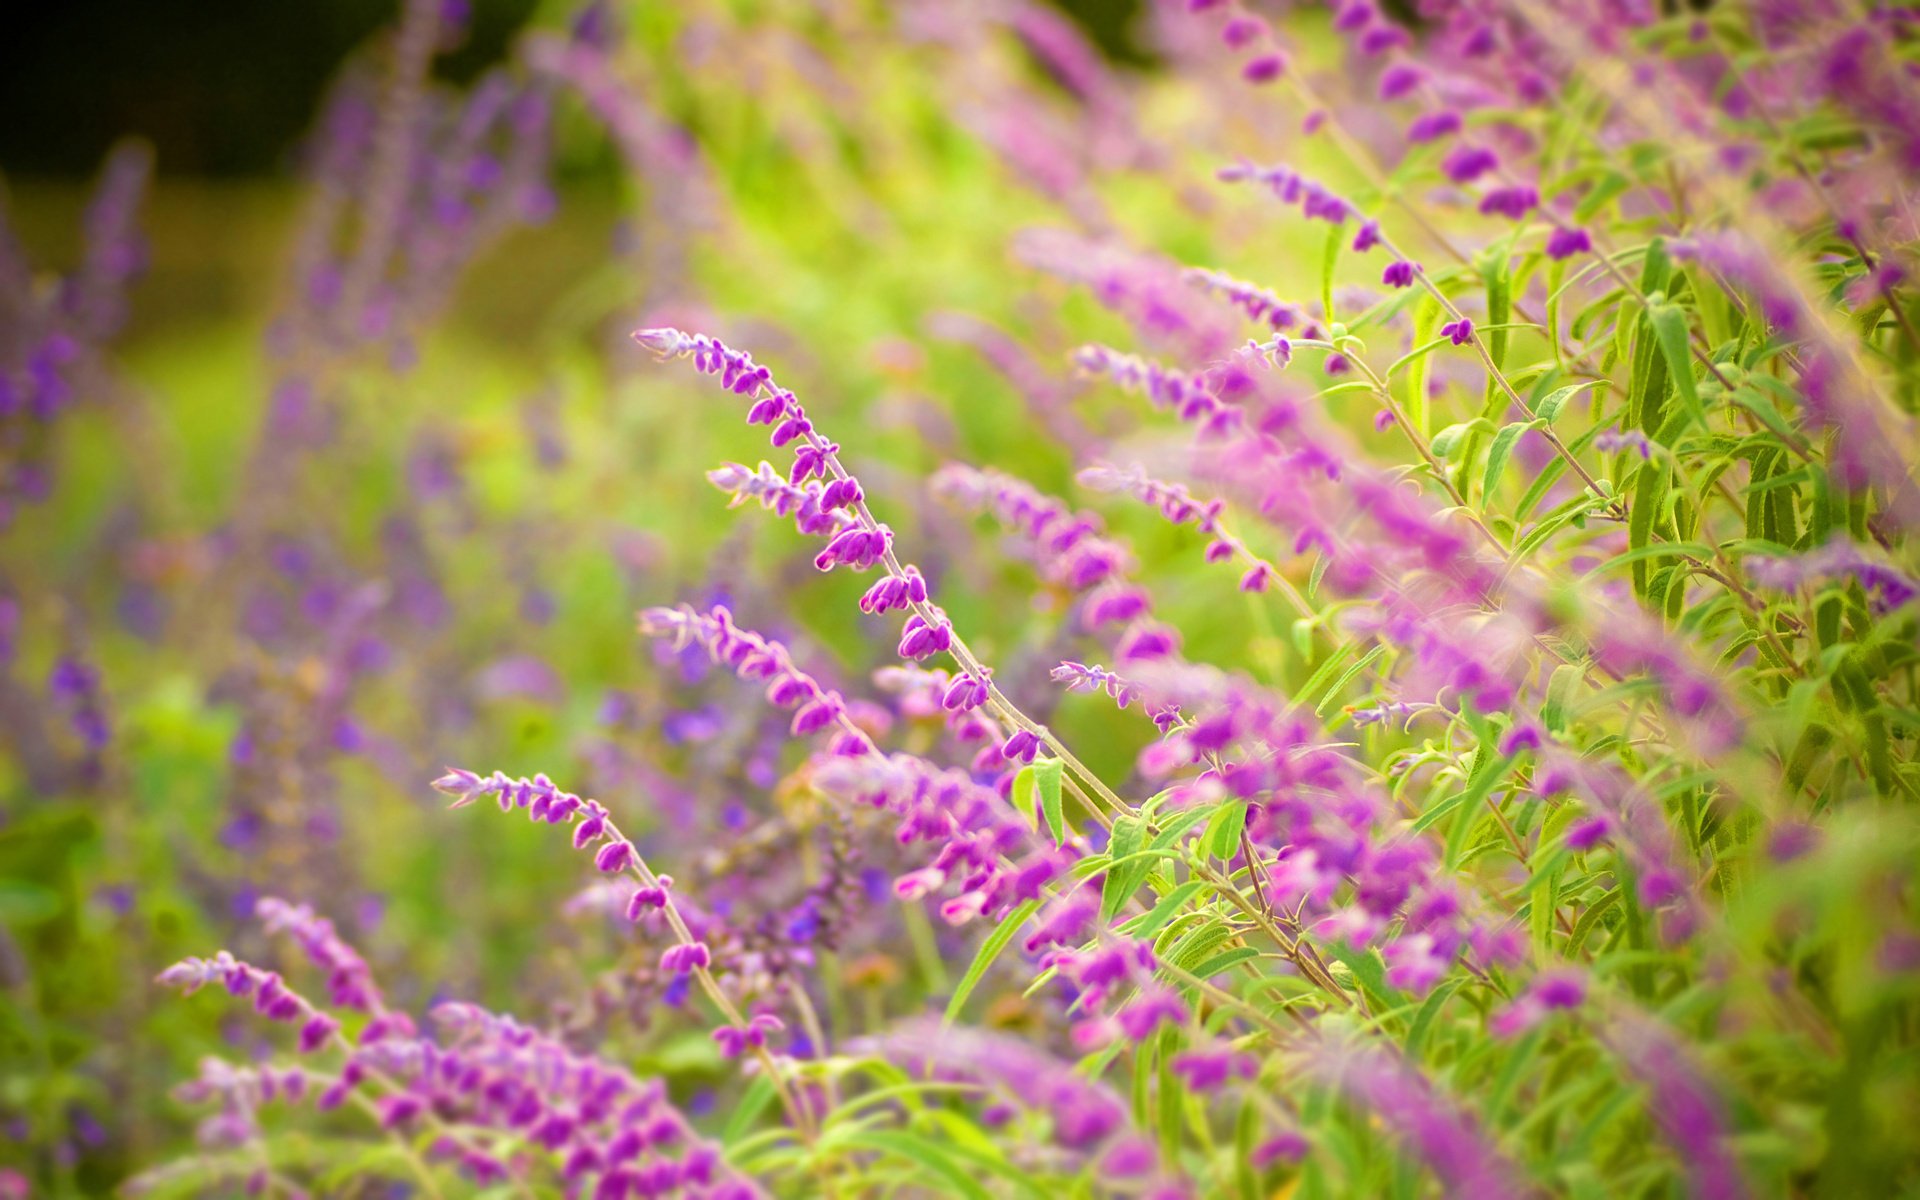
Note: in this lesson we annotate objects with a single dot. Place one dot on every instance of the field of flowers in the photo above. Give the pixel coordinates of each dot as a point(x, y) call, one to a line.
point(844, 598)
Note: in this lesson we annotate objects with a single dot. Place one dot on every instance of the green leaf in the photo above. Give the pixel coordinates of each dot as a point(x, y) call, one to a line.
point(1649, 497)
point(1549, 408)
point(752, 1102)
point(1046, 776)
point(1222, 961)
point(24, 903)
point(1670, 328)
point(984, 957)
point(915, 1149)
point(1123, 877)
point(1346, 677)
point(1497, 455)
point(1499, 288)
point(1223, 831)
point(1166, 909)
point(1562, 686)
point(1448, 440)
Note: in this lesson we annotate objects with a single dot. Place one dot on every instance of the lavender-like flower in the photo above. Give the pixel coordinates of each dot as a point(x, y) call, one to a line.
point(1446, 1138)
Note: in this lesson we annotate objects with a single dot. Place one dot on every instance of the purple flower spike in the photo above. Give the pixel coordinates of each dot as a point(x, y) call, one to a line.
point(463, 786)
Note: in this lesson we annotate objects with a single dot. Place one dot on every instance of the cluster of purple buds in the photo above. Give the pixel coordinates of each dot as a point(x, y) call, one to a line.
point(1613, 440)
point(1022, 746)
point(1067, 545)
point(895, 592)
point(1186, 396)
point(649, 897)
point(1459, 332)
point(1106, 973)
point(967, 691)
point(755, 658)
point(1512, 202)
point(1431, 127)
point(1445, 1136)
point(734, 1040)
point(272, 998)
point(349, 979)
point(1372, 33)
point(773, 405)
point(614, 1136)
point(1244, 33)
point(1399, 273)
point(684, 958)
point(1080, 677)
point(1212, 1069)
point(1179, 506)
point(1566, 241)
point(920, 638)
point(546, 802)
point(1548, 993)
point(74, 689)
point(856, 548)
point(1257, 302)
point(1290, 187)
point(816, 509)
point(973, 827)
point(1466, 163)
point(1839, 559)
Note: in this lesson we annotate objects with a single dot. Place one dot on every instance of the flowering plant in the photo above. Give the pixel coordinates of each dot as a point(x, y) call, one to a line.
point(1391, 672)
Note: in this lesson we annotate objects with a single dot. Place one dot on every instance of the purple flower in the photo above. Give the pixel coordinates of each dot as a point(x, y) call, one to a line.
point(1399, 80)
point(1264, 69)
point(1510, 202)
point(1021, 746)
point(1612, 440)
point(686, 957)
point(1430, 127)
point(1366, 237)
point(1565, 242)
point(1525, 735)
point(1399, 273)
point(1458, 332)
point(1242, 31)
point(1466, 163)
point(1211, 1070)
point(1288, 1146)
point(1449, 1141)
point(614, 857)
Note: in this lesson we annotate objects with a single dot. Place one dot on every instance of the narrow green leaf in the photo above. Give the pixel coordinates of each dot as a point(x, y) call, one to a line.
point(1670, 328)
point(984, 957)
point(1166, 909)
